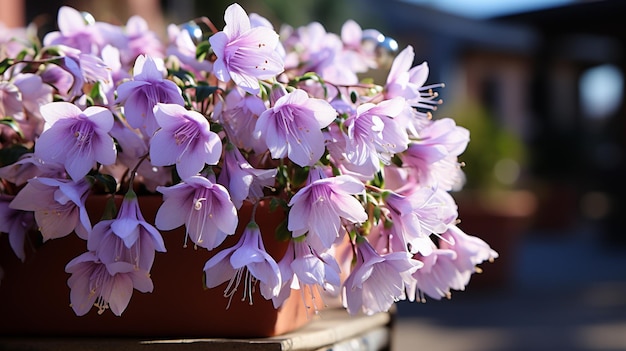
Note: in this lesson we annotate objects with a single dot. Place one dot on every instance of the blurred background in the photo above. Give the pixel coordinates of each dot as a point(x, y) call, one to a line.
point(540, 85)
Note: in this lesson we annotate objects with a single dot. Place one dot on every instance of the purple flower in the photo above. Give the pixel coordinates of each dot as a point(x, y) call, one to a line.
point(59, 207)
point(15, 223)
point(316, 269)
point(247, 261)
point(416, 216)
point(376, 281)
point(204, 207)
point(320, 207)
point(75, 32)
point(127, 238)
point(245, 54)
point(373, 135)
point(470, 250)
point(185, 139)
point(238, 114)
point(242, 180)
point(78, 139)
point(293, 127)
point(182, 46)
point(438, 275)
point(142, 94)
point(434, 157)
point(92, 283)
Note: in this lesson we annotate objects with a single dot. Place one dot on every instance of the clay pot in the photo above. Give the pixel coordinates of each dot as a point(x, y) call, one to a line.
point(34, 296)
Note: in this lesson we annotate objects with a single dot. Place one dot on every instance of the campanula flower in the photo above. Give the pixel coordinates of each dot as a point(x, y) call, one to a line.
point(319, 208)
point(244, 53)
point(148, 87)
point(16, 224)
point(60, 206)
point(92, 283)
point(185, 139)
point(434, 157)
point(205, 208)
point(126, 238)
point(78, 139)
point(247, 261)
point(292, 127)
point(243, 180)
point(377, 281)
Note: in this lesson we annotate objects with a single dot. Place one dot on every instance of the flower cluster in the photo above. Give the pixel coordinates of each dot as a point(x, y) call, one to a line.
point(213, 120)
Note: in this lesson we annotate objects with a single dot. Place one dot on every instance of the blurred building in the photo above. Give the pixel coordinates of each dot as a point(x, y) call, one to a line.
point(553, 76)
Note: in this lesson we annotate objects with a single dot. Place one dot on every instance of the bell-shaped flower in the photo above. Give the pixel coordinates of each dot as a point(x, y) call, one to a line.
point(127, 238)
point(16, 224)
point(319, 208)
point(77, 139)
point(185, 139)
point(59, 207)
point(247, 261)
point(93, 283)
point(316, 270)
point(292, 127)
point(205, 208)
point(416, 216)
point(242, 180)
point(76, 32)
point(377, 281)
point(434, 157)
point(437, 277)
point(238, 114)
point(374, 136)
point(470, 250)
point(244, 53)
point(148, 87)
point(29, 166)
point(182, 46)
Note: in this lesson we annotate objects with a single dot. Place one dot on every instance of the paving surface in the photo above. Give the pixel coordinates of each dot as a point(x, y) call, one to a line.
point(567, 292)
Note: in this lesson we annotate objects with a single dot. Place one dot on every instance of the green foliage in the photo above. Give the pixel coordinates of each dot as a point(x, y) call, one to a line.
point(490, 143)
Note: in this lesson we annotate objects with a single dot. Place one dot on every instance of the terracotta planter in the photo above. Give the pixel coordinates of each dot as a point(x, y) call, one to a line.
point(34, 296)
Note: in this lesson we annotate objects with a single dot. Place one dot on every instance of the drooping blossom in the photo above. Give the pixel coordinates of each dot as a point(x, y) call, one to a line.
point(185, 139)
point(243, 180)
point(60, 206)
point(16, 224)
point(92, 283)
point(204, 207)
point(29, 166)
point(434, 157)
point(470, 250)
point(148, 87)
point(77, 139)
point(292, 127)
point(182, 46)
point(246, 262)
point(244, 53)
point(374, 136)
point(126, 238)
point(418, 215)
point(76, 32)
point(437, 276)
point(319, 209)
point(239, 113)
point(141, 41)
point(315, 269)
point(377, 281)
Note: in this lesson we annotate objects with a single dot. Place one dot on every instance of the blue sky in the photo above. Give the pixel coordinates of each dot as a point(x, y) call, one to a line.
point(489, 8)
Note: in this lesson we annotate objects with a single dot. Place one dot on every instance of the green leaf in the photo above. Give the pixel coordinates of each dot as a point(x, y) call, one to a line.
point(11, 154)
point(203, 50)
point(204, 91)
point(282, 233)
point(5, 64)
point(109, 183)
